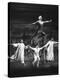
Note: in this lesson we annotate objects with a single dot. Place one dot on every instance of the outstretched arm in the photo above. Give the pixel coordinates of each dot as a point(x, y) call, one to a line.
point(47, 21)
point(32, 48)
point(35, 22)
point(46, 44)
point(55, 42)
point(15, 44)
point(41, 48)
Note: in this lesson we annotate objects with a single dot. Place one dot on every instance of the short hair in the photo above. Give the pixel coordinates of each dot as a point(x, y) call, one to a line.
point(21, 40)
point(40, 17)
point(52, 38)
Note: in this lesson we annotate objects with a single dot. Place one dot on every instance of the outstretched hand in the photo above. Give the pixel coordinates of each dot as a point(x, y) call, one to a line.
point(33, 23)
point(27, 46)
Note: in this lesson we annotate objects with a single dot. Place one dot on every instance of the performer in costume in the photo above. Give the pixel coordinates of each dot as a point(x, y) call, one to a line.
point(41, 22)
point(36, 54)
point(19, 52)
point(50, 50)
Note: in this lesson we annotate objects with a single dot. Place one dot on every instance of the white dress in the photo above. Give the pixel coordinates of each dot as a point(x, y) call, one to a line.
point(19, 52)
point(50, 52)
point(14, 56)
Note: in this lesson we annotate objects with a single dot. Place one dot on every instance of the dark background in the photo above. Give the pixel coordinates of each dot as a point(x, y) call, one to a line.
point(20, 17)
